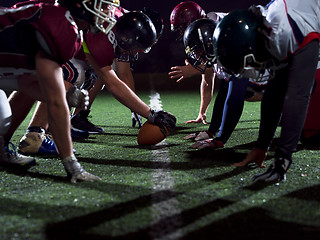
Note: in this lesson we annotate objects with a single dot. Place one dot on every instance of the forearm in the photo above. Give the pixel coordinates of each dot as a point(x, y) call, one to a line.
point(126, 96)
point(119, 89)
point(206, 91)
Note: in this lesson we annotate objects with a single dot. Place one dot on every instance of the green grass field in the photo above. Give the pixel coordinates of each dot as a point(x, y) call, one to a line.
point(168, 191)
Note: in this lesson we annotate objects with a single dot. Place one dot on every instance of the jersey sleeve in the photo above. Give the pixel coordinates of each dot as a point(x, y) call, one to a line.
point(57, 33)
point(101, 47)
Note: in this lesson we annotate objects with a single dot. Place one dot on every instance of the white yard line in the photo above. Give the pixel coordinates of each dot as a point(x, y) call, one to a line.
point(162, 180)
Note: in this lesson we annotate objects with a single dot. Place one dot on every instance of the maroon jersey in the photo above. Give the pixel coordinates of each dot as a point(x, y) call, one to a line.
point(101, 47)
point(26, 28)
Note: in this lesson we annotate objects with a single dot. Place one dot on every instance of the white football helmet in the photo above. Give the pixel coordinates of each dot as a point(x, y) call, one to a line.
point(104, 10)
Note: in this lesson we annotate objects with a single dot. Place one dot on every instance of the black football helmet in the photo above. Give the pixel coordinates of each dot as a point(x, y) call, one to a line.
point(239, 45)
point(99, 13)
point(183, 14)
point(198, 43)
point(156, 19)
point(134, 33)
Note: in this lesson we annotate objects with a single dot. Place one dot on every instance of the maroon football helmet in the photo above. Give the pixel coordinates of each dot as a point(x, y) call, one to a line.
point(184, 14)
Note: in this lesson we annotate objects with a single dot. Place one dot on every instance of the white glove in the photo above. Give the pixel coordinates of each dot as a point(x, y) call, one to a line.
point(75, 170)
point(78, 98)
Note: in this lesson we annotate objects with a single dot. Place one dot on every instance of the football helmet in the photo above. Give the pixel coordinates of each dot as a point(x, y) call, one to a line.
point(135, 33)
point(184, 14)
point(156, 19)
point(99, 13)
point(198, 43)
point(238, 44)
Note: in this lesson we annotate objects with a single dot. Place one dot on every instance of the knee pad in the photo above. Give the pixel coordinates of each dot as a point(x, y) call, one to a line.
point(5, 113)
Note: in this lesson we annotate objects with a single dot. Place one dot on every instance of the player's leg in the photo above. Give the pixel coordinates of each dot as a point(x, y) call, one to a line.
point(232, 111)
point(8, 155)
point(301, 72)
point(217, 112)
point(232, 108)
point(79, 119)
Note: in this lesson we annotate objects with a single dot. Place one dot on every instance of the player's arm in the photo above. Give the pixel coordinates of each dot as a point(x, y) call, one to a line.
point(119, 89)
point(206, 92)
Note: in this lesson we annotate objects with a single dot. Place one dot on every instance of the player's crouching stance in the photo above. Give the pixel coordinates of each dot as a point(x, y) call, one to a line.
point(283, 37)
point(50, 37)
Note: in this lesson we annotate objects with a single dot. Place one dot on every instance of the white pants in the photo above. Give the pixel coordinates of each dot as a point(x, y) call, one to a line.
point(5, 113)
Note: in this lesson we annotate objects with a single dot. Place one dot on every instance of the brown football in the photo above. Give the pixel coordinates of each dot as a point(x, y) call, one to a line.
point(150, 134)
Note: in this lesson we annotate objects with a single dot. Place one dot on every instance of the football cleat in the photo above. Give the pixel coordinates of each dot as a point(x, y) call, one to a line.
point(37, 143)
point(208, 143)
point(10, 156)
point(136, 120)
point(78, 134)
point(276, 171)
point(80, 121)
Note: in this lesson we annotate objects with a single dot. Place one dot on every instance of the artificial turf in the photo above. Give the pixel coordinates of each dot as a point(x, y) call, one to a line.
point(167, 191)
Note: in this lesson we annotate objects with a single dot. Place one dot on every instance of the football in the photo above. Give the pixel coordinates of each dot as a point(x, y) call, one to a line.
point(150, 134)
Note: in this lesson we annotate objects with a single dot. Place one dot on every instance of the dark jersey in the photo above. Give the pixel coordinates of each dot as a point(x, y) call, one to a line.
point(27, 28)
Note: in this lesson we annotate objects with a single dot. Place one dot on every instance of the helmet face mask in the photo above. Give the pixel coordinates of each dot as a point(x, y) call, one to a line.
point(104, 12)
point(98, 13)
point(198, 44)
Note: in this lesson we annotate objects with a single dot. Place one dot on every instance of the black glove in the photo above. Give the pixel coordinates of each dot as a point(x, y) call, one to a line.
point(163, 119)
point(136, 120)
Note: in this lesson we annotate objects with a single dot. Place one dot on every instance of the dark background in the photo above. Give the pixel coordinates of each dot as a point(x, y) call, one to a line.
point(167, 52)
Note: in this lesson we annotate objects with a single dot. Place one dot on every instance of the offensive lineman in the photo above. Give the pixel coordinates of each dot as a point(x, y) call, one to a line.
point(284, 37)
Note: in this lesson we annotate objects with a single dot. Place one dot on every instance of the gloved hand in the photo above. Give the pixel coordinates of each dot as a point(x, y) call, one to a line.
point(78, 98)
point(163, 120)
point(136, 120)
point(76, 172)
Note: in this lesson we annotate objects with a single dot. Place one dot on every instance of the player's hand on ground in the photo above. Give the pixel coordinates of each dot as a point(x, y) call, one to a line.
point(199, 136)
point(76, 172)
point(179, 73)
point(208, 143)
point(78, 98)
point(256, 155)
point(202, 118)
point(163, 119)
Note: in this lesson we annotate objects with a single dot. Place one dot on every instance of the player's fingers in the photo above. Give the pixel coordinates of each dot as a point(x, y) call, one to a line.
point(180, 79)
point(175, 68)
point(190, 136)
point(191, 121)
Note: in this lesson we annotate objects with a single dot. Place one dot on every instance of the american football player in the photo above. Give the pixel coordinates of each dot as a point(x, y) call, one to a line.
point(181, 17)
point(36, 39)
point(284, 37)
point(99, 52)
point(198, 41)
point(123, 62)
